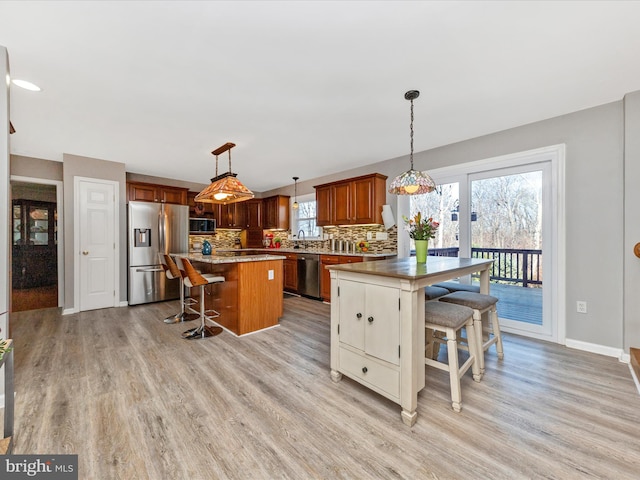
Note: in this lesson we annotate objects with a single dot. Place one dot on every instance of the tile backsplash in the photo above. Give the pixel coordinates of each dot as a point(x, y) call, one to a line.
point(227, 238)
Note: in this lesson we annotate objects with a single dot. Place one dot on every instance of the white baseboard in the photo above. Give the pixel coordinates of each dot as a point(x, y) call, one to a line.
point(599, 349)
point(124, 303)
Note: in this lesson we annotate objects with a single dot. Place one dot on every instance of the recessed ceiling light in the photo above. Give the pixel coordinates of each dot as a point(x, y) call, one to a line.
point(26, 85)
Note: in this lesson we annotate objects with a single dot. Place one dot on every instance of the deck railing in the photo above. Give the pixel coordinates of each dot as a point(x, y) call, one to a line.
point(510, 265)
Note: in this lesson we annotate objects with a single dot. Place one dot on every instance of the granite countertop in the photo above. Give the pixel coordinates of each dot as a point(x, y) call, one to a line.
point(409, 269)
point(319, 251)
point(229, 256)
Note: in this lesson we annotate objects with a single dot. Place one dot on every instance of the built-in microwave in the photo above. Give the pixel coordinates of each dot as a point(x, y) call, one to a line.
point(202, 225)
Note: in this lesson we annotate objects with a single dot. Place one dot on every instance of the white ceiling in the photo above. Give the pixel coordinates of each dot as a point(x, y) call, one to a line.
point(303, 88)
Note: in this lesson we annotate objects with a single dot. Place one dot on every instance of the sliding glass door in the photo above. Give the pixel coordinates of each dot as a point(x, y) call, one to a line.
point(507, 225)
point(505, 211)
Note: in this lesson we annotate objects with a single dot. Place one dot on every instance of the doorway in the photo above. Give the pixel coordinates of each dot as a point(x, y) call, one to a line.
point(35, 244)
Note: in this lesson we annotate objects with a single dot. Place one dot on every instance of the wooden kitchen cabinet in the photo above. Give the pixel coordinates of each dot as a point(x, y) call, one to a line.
point(202, 209)
point(325, 278)
point(354, 201)
point(233, 215)
point(149, 192)
point(323, 205)
point(254, 213)
point(290, 266)
point(276, 212)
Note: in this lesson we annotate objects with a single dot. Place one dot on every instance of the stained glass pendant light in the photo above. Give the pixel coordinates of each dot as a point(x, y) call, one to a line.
point(224, 188)
point(412, 182)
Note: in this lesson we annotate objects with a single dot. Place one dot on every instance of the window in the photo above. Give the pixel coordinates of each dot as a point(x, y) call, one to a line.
point(305, 219)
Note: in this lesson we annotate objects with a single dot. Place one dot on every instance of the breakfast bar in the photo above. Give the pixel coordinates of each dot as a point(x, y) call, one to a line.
point(377, 322)
point(251, 297)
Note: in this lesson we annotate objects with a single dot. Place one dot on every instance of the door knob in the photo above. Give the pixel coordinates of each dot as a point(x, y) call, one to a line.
point(370, 319)
point(85, 252)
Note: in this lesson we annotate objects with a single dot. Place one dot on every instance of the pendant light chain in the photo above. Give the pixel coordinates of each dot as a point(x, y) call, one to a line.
point(411, 135)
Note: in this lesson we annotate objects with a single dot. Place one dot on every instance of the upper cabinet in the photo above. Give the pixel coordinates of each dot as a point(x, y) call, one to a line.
point(233, 215)
point(202, 209)
point(353, 201)
point(149, 192)
point(276, 212)
point(254, 213)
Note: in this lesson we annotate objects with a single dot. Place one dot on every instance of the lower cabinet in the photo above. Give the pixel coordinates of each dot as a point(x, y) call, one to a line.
point(325, 278)
point(290, 267)
point(369, 335)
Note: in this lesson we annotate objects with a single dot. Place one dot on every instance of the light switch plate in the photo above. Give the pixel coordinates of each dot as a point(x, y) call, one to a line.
point(270, 274)
point(382, 236)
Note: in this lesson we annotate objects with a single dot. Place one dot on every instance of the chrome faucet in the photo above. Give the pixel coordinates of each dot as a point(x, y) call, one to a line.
point(304, 238)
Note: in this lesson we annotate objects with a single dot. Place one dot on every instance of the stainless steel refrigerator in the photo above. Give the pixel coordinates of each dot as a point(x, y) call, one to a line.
point(154, 228)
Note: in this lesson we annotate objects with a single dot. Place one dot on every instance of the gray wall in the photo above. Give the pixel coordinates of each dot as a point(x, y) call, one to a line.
point(631, 220)
point(77, 166)
point(36, 168)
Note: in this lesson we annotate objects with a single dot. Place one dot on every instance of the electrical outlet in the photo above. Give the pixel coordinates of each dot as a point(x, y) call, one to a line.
point(581, 306)
point(369, 235)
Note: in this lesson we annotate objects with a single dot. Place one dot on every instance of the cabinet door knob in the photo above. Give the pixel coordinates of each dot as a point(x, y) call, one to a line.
point(85, 252)
point(358, 316)
point(365, 369)
point(370, 319)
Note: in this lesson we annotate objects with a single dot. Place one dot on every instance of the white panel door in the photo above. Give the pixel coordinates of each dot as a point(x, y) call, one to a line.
point(97, 243)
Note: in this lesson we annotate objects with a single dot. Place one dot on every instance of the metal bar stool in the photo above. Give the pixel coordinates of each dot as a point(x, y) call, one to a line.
point(171, 271)
point(450, 319)
point(193, 278)
point(481, 303)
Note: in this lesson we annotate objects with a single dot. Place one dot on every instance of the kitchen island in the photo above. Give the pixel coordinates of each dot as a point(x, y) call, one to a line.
point(250, 299)
point(377, 322)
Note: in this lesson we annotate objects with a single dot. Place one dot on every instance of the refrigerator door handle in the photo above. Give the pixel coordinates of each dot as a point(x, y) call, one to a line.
point(162, 225)
point(149, 270)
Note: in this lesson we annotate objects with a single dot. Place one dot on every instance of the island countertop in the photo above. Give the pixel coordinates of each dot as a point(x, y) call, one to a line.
point(229, 256)
point(409, 269)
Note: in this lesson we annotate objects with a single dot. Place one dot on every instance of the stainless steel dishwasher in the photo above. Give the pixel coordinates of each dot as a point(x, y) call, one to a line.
point(309, 274)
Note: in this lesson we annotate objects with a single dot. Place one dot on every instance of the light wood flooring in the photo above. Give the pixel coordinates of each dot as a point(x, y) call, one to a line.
point(122, 390)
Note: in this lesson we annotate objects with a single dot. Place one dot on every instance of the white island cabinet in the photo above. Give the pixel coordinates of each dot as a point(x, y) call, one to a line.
point(377, 322)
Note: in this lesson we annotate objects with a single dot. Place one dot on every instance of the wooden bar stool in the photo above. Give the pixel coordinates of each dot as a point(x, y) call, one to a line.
point(480, 303)
point(193, 278)
point(171, 271)
point(450, 319)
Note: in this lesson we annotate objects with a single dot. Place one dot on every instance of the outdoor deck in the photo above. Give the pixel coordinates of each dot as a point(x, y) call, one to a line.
point(518, 303)
point(522, 301)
